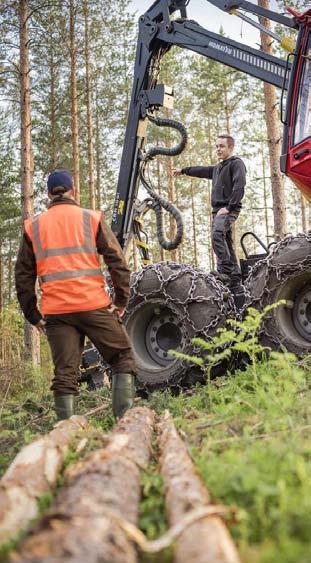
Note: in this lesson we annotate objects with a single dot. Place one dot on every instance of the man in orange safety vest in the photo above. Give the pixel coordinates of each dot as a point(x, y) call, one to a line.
point(61, 248)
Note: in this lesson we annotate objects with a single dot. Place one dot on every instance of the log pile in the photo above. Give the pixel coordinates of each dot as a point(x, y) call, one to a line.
point(94, 517)
point(33, 473)
point(100, 492)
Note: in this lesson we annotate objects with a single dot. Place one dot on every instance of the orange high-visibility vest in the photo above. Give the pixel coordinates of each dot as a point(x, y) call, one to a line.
point(68, 267)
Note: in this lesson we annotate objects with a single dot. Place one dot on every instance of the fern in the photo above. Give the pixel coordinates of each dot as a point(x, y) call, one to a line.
point(238, 337)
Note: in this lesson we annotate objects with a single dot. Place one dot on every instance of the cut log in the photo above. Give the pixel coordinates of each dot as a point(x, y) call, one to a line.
point(99, 493)
point(207, 539)
point(34, 472)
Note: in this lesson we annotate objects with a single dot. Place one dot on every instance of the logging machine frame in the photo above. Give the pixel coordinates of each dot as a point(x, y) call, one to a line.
point(164, 312)
point(159, 30)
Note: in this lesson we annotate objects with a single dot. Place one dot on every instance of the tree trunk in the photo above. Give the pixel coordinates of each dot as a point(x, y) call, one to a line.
point(26, 148)
point(265, 195)
point(95, 526)
point(172, 199)
point(52, 109)
point(135, 259)
point(89, 114)
point(227, 111)
point(1, 278)
point(32, 474)
point(181, 246)
point(159, 192)
point(195, 249)
point(274, 139)
point(97, 153)
point(10, 272)
point(32, 341)
point(209, 201)
point(206, 540)
point(303, 213)
point(74, 102)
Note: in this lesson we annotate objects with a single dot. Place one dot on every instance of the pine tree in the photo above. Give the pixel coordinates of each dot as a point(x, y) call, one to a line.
point(274, 139)
point(32, 342)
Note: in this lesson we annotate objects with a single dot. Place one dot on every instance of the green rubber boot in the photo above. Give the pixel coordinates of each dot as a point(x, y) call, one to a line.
point(123, 393)
point(64, 406)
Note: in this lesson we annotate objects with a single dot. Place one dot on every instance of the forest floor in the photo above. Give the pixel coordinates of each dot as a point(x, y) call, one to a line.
point(248, 435)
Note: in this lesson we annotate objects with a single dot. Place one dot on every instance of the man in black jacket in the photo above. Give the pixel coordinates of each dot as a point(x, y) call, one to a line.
point(228, 182)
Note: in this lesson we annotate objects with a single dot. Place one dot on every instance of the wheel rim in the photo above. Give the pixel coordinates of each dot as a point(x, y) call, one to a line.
point(163, 334)
point(302, 313)
point(154, 329)
point(294, 319)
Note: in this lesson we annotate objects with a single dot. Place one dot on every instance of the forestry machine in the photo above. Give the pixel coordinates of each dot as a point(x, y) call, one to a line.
point(173, 303)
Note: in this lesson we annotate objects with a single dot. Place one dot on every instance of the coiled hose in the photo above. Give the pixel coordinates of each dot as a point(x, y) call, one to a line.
point(167, 151)
point(159, 203)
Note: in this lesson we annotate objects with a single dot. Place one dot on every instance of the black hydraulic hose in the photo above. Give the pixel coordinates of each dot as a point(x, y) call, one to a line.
point(159, 203)
point(168, 244)
point(173, 151)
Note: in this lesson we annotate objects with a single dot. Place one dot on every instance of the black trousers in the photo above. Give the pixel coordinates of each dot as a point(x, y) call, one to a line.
point(222, 242)
point(66, 333)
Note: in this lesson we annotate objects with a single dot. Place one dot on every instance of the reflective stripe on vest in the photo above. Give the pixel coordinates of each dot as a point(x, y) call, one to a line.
point(87, 248)
point(69, 274)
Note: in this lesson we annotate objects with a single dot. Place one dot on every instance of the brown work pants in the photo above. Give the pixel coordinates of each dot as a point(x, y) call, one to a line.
point(66, 333)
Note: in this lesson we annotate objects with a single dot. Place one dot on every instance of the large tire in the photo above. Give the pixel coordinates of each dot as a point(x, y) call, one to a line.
point(170, 304)
point(284, 274)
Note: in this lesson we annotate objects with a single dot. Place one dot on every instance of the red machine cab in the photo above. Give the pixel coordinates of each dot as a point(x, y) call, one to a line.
point(298, 141)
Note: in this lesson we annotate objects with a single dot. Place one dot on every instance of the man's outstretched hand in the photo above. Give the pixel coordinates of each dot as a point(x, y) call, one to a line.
point(177, 172)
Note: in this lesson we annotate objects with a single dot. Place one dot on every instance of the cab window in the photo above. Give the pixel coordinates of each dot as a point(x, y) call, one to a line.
point(303, 113)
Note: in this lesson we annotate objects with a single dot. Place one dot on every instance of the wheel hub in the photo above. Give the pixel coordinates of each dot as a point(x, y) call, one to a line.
point(302, 313)
point(164, 333)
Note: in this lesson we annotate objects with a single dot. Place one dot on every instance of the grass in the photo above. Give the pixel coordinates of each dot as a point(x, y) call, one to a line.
point(248, 434)
point(25, 417)
point(249, 437)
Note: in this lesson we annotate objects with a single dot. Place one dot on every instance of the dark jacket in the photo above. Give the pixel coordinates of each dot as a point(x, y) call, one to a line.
point(106, 244)
point(228, 182)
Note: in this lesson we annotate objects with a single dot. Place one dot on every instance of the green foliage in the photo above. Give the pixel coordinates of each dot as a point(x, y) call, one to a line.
point(30, 413)
point(152, 519)
point(152, 509)
point(71, 457)
point(238, 337)
point(44, 502)
point(249, 438)
point(8, 547)
point(17, 377)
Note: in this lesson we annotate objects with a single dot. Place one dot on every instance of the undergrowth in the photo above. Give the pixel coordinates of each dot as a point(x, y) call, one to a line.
point(152, 519)
point(31, 413)
point(248, 434)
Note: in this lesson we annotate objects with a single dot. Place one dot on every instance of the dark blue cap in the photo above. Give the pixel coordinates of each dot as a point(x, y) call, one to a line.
point(60, 178)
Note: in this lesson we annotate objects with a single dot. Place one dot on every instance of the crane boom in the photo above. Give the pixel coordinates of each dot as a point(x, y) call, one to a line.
point(158, 32)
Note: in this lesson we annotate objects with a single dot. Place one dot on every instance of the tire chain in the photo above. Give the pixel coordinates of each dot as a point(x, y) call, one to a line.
point(281, 272)
point(222, 296)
